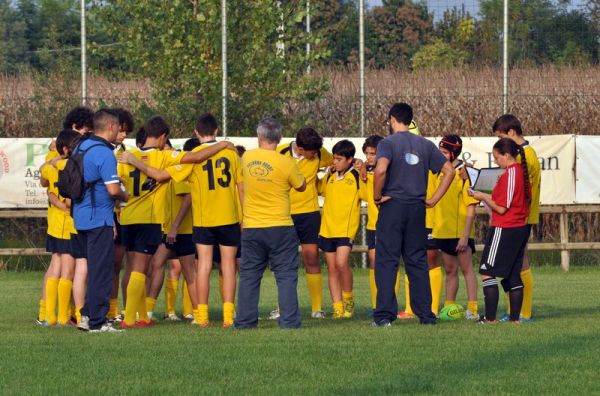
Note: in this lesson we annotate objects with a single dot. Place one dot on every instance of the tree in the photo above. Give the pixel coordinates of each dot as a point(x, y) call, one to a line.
point(337, 22)
point(13, 44)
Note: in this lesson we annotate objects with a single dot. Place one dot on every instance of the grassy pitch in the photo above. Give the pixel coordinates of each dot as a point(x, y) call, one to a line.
point(558, 354)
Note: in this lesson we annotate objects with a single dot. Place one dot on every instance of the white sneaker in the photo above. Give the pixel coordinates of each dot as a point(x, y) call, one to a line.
point(116, 319)
point(318, 315)
point(274, 315)
point(150, 315)
point(172, 317)
point(189, 317)
point(106, 328)
point(471, 316)
point(84, 324)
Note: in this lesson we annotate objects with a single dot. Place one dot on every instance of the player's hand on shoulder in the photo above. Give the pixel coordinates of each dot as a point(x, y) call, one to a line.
point(125, 157)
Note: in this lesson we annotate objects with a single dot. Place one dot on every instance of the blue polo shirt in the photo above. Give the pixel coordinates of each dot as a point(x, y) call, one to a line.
point(99, 166)
point(411, 157)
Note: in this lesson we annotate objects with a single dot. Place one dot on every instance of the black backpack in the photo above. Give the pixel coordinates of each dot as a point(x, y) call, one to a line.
point(71, 183)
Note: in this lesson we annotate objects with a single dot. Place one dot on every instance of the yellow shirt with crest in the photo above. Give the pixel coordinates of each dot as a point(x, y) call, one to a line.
point(450, 213)
point(60, 222)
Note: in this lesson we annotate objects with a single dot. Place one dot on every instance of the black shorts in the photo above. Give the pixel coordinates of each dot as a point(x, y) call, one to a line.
point(448, 245)
point(119, 236)
point(227, 235)
point(307, 227)
point(330, 245)
point(183, 246)
point(503, 252)
point(371, 239)
point(78, 246)
point(57, 245)
point(142, 238)
point(431, 243)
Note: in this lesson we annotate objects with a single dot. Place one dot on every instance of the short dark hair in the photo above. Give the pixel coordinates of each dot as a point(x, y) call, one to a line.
point(206, 124)
point(81, 116)
point(240, 149)
point(104, 117)
point(191, 144)
point(402, 112)
point(345, 148)
point(507, 122)
point(156, 127)
point(125, 119)
point(66, 138)
point(309, 139)
point(371, 141)
point(140, 137)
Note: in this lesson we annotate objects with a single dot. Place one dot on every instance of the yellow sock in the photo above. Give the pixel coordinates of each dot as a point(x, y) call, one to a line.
point(143, 307)
point(315, 291)
point(150, 304)
point(51, 300)
point(170, 295)
point(436, 283)
point(221, 283)
point(72, 309)
point(187, 301)
point(78, 314)
point(196, 315)
point(113, 309)
point(472, 307)
point(338, 309)
point(397, 284)
point(373, 286)
point(228, 309)
point(527, 306)
point(407, 307)
point(449, 302)
point(135, 294)
point(42, 313)
point(64, 300)
point(347, 295)
point(202, 314)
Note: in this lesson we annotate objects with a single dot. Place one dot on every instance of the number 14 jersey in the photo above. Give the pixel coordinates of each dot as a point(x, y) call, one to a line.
point(213, 186)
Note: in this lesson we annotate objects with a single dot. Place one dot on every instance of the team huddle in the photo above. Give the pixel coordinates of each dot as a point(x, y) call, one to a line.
point(202, 205)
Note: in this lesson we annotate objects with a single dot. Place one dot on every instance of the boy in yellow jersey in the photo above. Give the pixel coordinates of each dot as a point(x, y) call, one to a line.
point(343, 192)
point(59, 282)
point(310, 156)
point(433, 260)
point(268, 234)
point(453, 230)
point(509, 126)
point(140, 222)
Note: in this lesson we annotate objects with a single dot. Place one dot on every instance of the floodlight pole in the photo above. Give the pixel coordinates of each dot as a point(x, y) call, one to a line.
point(224, 65)
point(505, 61)
point(308, 36)
point(83, 56)
point(361, 49)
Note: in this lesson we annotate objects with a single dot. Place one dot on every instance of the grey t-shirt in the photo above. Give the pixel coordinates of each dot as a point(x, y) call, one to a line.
point(411, 157)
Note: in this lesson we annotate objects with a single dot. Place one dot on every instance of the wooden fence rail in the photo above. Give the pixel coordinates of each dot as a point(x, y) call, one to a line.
point(564, 245)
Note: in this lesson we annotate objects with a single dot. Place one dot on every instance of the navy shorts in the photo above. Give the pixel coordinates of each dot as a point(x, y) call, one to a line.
point(57, 245)
point(183, 246)
point(307, 227)
point(371, 239)
point(431, 243)
point(78, 246)
point(330, 245)
point(142, 238)
point(119, 236)
point(448, 245)
point(227, 235)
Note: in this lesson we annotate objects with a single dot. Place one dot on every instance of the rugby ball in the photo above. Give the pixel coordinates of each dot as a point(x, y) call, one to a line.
point(452, 312)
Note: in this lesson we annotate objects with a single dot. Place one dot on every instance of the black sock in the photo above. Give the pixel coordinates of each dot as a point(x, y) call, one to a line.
point(491, 296)
point(516, 300)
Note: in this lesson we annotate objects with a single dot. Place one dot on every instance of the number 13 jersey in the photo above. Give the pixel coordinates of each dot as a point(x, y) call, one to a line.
point(146, 196)
point(213, 185)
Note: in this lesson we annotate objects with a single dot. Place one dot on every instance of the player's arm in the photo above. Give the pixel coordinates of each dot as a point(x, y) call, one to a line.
point(183, 211)
point(448, 176)
point(160, 175)
point(487, 198)
point(195, 157)
point(463, 242)
point(379, 173)
point(114, 190)
point(240, 188)
point(55, 201)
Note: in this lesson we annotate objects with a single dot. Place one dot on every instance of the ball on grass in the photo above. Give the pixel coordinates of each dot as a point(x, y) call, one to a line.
point(452, 312)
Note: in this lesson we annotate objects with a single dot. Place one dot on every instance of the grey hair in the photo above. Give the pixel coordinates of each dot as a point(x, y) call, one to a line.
point(269, 129)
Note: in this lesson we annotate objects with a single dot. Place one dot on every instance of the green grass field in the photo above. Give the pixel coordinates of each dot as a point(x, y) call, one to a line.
point(558, 354)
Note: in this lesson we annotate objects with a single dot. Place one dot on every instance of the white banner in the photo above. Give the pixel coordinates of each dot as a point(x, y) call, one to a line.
point(20, 160)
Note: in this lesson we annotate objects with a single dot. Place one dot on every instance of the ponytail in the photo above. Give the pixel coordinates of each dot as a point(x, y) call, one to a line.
point(525, 175)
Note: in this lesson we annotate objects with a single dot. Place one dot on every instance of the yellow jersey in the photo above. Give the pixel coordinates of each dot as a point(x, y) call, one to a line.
point(450, 213)
point(341, 210)
point(372, 209)
point(214, 187)
point(268, 177)
point(431, 187)
point(60, 222)
point(535, 176)
point(306, 201)
point(174, 195)
point(146, 203)
point(51, 155)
